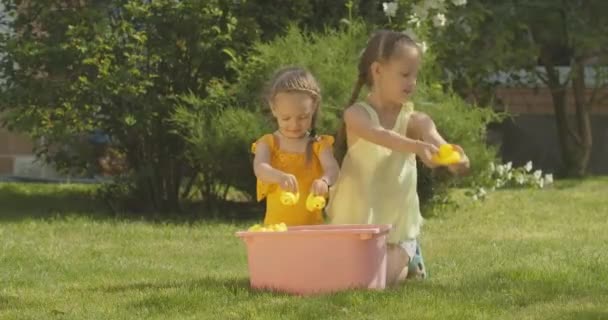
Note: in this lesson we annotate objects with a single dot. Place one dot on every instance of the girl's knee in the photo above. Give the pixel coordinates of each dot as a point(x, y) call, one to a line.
point(396, 264)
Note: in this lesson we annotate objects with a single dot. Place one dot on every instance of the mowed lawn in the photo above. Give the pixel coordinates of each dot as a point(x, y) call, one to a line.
point(529, 254)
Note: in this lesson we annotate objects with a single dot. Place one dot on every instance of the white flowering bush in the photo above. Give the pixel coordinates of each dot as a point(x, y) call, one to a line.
point(418, 12)
point(501, 176)
point(390, 9)
point(476, 46)
point(423, 21)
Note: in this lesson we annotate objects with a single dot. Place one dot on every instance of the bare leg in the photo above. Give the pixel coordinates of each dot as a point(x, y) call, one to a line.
point(396, 264)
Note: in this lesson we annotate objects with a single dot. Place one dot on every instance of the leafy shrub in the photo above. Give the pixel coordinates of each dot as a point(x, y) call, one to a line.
point(119, 66)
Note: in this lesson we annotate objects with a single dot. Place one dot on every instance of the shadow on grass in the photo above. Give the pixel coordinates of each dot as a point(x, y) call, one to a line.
point(515, 288)
point(45, 201)
point(588, 315)
point(7, 301)
point(22, 201)
point(505, 290)
point(228, 298)
point(568, 184)
point(218, 285)
point(221, 286)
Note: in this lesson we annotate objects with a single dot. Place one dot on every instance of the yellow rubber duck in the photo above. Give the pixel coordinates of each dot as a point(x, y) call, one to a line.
point(289, 198)
point(256, 227)
point(314, 203)
point(447, 155)
point(279, 227)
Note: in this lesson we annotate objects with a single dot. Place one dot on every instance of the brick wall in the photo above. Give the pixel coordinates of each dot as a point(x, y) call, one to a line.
point(538, 101)
point(13, 149)
point(532, 132)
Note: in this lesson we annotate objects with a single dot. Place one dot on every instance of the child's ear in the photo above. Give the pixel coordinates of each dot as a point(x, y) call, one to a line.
point(272, 110)
point(376, 69)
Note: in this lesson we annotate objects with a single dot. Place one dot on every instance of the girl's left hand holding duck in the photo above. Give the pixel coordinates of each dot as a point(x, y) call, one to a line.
point(422, 127)
point(463, 166)
point(320, 187)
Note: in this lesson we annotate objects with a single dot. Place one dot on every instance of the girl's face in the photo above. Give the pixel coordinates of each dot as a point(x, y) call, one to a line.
point(294, 112)
point(395, 79)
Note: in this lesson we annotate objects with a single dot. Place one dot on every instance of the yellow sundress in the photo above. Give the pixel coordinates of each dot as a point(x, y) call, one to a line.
point(296, 164)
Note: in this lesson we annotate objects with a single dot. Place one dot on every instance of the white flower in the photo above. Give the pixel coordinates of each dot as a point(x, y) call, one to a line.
point(541, 183)
point(420, 11)
point(439, 20)
point(499, 183)
point(538, 174)
point(492, 167)
point(520, 178)
point(390, 8)
point(459, 2)
point(413, 19)
point(410, 33)
point(500, 169)
point(475, 197)
point(528, 166)
point(423, 47)
point(509, 165)
point(548, 179)
point(482, 192)
point(509, 176)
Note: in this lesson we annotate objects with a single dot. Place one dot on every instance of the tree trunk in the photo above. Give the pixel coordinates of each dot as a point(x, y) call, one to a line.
point(575, 142)
point(583, 119)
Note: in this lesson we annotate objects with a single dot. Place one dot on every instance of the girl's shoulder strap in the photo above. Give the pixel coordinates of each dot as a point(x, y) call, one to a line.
point(268, 139)
point(323, 142)
point(404, 116)
point(408, 107)
point(367, 107)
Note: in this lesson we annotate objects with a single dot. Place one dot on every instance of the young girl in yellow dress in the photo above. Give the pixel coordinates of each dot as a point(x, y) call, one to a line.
point(294, 158)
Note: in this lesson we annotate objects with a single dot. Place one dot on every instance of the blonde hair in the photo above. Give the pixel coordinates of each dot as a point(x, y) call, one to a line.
point(298, 80)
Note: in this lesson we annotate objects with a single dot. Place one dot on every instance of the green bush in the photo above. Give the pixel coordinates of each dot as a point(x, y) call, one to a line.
point(460, 123)
point(219, 138)
point(123, 66)
point(118, 66)
point(332, 58)
point(151, 75)
point(273, 17)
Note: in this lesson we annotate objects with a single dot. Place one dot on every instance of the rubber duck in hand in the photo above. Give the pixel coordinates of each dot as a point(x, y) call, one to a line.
point(289, 198)
point(315, 203)
point(447, 155)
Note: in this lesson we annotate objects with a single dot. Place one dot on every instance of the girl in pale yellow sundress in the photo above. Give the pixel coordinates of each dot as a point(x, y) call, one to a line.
point(381, 138)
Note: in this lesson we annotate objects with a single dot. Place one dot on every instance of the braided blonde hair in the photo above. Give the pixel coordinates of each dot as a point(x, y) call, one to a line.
point(298, 80)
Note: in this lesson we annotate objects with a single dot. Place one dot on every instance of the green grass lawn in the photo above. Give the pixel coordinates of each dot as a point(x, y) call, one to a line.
point(521, 255)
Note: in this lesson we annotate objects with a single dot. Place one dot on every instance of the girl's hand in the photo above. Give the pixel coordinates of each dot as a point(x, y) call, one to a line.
point(289, 183)
point(425, 152)
point(462, 167)
point(320, 187)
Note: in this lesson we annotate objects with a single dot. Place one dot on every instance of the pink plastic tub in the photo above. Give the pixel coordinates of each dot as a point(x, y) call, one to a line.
point(317, 259)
